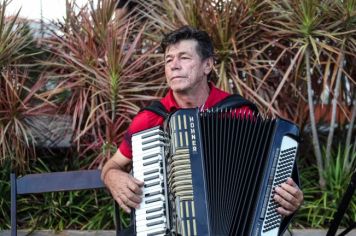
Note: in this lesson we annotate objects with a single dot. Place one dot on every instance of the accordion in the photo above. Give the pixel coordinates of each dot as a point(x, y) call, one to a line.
point(212, 173)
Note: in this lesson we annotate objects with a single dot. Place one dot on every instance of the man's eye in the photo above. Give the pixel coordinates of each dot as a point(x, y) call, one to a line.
point(168, 61)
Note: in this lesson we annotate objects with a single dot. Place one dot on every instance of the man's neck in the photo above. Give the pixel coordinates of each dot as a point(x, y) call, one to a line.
point(192, 99)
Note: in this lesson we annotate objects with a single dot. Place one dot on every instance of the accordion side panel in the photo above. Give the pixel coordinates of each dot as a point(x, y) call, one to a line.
point(281, 159)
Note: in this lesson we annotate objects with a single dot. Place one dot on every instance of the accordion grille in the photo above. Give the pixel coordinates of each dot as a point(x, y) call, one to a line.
point(235, 152)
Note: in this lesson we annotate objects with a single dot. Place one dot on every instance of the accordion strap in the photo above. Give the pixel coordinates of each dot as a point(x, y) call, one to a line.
point(235, 101)
point(158, 108)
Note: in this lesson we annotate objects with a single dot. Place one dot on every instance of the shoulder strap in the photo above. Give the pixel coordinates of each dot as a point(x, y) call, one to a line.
point(235, 101)
point(158, 108)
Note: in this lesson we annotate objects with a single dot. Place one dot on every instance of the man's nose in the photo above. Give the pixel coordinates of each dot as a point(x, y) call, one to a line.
point(175, 64)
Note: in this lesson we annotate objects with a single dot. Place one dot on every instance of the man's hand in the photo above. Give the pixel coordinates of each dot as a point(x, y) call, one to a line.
point(289, 197)
point(124, 188)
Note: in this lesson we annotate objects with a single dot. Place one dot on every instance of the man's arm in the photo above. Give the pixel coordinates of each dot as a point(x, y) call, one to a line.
point(124, 188)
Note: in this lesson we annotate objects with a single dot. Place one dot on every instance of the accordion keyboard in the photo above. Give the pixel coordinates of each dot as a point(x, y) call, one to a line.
point(148, 154)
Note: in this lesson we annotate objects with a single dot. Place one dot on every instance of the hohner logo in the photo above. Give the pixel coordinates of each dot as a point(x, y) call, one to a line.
point(193, 133)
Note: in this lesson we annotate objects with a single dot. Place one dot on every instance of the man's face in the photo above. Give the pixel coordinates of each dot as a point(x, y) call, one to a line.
point(185, 70)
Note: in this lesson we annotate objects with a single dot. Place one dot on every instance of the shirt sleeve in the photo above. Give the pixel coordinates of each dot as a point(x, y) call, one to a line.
point(142, 121)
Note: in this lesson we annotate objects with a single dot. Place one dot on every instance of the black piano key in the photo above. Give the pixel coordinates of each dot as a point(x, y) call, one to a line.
point(151, 177)
point(155, 223)
point(150, 162)
point(151, 217)
point(152, 184)
point(152, 140)
point(148, 172)
point(149, 156)
point(154, 209)
point(156, 199)
point(153, 193)
point(152, 146)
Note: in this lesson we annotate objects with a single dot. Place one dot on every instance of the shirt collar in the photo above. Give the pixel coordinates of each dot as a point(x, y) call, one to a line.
point(171, 104)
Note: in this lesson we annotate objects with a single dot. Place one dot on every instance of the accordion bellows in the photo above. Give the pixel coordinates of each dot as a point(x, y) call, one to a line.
point(212, 173)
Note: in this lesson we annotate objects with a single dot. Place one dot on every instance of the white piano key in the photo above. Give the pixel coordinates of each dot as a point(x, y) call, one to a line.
point(156, 230)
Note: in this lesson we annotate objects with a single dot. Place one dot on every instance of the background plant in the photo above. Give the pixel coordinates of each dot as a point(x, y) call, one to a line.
point(21, 97)
point(320, 206)
point(293, 58)
point(109, 68)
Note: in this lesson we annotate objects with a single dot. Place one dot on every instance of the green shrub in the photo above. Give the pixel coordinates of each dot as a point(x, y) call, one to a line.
point(320, 206)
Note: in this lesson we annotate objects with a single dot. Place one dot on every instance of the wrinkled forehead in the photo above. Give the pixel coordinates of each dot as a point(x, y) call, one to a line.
point(183, 46)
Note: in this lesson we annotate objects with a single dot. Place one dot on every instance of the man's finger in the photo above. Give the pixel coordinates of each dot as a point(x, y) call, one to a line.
point(283, 211)
point(291, 182)
point(282, 199)
point(122, 205)
point(292, 190)
point(135, 185)
point(138, 182)
point(132, 197)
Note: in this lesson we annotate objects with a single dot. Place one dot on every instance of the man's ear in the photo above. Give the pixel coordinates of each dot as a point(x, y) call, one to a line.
point(208, 65)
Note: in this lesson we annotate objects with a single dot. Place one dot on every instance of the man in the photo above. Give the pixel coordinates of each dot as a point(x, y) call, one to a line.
point(188, 55)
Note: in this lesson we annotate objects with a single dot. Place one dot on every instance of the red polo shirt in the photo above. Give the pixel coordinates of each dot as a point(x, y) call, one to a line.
point(147, 119)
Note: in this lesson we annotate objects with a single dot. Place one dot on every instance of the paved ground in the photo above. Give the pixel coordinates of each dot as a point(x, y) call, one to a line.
point(112, 233)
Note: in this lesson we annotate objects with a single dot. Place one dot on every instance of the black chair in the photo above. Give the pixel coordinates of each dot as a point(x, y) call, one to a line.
point(55, 182)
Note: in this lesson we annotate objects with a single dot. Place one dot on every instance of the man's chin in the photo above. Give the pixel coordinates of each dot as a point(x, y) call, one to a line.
point(179, 89)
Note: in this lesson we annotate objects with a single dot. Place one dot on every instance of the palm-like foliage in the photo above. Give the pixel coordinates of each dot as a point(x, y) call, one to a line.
point(15, 37)
point(106, 65)
point(315, 38)
point(20, 98)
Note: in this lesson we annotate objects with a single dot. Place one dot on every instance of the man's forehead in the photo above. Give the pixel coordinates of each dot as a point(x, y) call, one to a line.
point(182, 46)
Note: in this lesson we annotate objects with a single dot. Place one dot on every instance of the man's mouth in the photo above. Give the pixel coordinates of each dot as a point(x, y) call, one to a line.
point(177, 77)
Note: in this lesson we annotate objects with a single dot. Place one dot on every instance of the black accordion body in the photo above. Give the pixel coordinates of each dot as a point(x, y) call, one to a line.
point(212, 173)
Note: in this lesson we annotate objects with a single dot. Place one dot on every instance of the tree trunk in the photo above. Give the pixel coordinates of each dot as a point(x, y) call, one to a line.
point(334, 106)
point(315, 137)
